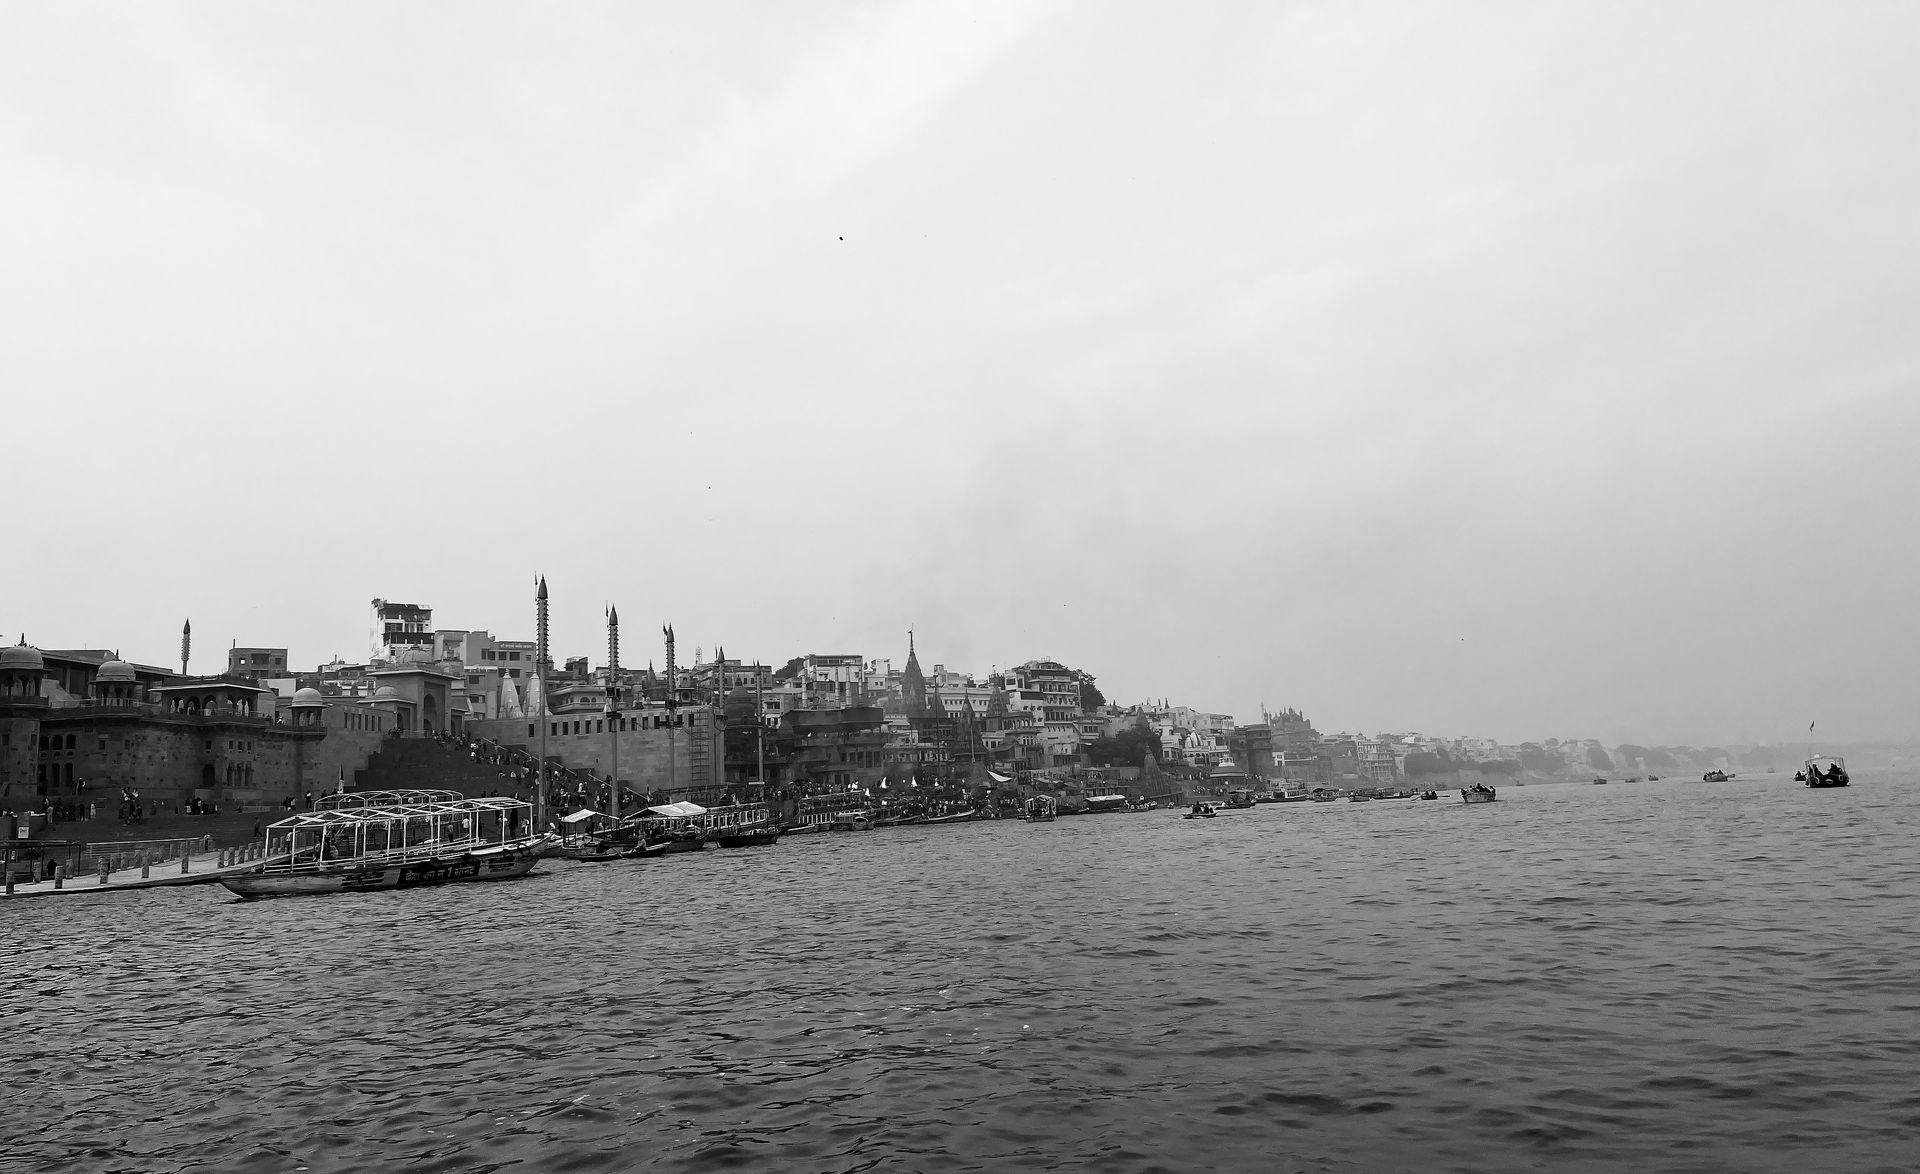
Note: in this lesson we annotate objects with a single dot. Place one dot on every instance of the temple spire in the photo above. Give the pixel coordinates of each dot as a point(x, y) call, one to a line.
point(186, 645)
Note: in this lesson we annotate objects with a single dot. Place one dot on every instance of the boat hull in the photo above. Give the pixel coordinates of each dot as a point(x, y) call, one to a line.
point(404, 875)
point(748, 839)
point(1476, 797)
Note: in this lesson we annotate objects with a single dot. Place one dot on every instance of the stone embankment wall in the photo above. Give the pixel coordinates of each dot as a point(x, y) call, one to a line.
point(582, 742)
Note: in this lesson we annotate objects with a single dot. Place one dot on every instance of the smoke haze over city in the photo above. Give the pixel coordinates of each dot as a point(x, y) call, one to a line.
point(1514, 370)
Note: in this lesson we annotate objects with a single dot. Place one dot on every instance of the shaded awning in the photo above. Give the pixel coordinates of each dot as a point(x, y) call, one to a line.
point(677, 810)
point(998, 778)
point(579, 815)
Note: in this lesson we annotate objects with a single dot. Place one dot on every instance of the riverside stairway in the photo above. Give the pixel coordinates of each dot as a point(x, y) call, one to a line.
point(422, 764)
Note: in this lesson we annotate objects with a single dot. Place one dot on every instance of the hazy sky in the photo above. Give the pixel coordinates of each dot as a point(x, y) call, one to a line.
point(1527, 370)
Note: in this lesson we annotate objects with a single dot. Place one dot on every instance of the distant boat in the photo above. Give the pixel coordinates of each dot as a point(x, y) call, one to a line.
point(1599, 782)
point(1715, 776)
point(1824, 770)
point(1477, 793)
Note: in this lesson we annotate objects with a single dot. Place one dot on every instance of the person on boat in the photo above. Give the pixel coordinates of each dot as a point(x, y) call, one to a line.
point(1835, 774)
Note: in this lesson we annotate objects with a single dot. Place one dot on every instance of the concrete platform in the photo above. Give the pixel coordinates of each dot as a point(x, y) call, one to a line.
point(202, 868)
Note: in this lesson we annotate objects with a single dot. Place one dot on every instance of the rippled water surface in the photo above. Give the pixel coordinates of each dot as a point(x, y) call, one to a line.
point(1666, 976)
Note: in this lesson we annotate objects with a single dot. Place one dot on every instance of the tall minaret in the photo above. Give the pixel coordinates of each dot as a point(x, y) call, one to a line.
point(186, 645)
point(673, 705)
point(613, 709)
point(540, 668)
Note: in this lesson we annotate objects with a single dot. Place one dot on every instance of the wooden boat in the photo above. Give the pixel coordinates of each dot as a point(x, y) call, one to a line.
point(1040, 809)
point(1102, 804)
point(1598, 782)
point(1429, 794)
point(1715, 776)
point(1824, 770)
point(1199, 811)
point(741, 825)
point(359, 844)
point(955, 817)
point(851, 821)
point(1477, 793)
point(1239, 798)
point(748, 836)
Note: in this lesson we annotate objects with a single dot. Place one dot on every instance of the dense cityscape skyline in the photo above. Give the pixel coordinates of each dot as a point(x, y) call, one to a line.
point(1400, 363)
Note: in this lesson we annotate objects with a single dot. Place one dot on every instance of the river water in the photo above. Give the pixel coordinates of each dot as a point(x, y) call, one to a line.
point(1677, 976)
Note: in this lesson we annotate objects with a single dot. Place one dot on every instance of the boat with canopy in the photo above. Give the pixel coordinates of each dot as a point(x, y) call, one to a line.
point(394, 839)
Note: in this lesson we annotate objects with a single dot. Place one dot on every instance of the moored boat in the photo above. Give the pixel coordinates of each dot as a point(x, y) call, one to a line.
point(373, 843)
point(1040, 809)
point(742, 825)
point(1239, 798)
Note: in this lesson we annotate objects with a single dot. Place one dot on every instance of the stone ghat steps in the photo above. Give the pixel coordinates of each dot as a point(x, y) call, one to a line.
point(421, 764)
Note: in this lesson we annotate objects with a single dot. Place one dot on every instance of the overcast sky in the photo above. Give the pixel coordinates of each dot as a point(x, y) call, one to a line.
point(1528, 370)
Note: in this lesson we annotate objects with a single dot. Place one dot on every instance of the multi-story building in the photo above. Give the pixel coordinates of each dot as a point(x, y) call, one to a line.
point(482, 649)
point(1051, 691)
point(78, 728)
point(400, 626)
point(257, 664)
point(832, 680)
point(1374, 760)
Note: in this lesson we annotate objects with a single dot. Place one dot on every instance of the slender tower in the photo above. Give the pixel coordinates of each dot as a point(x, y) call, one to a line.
point(613, 703)
point(673, 707)
point(719, 715)
point(540, 668)
point(760, 726)
point(186, 644)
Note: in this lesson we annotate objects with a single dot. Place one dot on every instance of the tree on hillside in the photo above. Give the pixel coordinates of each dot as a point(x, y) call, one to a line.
point(1423, 763)
point(1129, 747)
point(1499, 766)
point(1090, 696)
point(1597, 758)
point(1540, 759)
point(789, 670)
